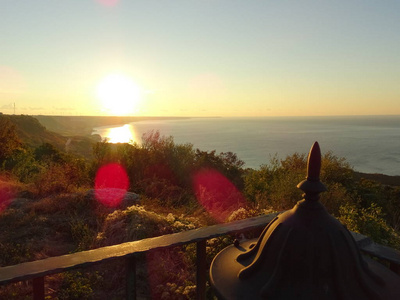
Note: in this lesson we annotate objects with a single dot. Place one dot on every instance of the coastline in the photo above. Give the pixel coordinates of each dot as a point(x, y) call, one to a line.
point(83, 125)
point(391, 180)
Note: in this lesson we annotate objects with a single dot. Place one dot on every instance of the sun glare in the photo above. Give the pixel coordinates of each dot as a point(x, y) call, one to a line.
point(119, 94)
point(123, 134)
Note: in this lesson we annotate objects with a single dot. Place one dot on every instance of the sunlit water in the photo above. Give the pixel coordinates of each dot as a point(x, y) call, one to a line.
point(118, 134)
point(370, 144)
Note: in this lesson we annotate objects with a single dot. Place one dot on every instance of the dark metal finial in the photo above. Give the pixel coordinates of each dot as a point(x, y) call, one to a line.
point(314, 163)
point(312, 186)
point(303, 253)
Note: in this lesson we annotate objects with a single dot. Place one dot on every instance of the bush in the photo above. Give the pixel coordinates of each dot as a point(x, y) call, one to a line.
point(60, 178)
point(370, 222)
point(9, 140)
point(171, 274)
point(136, 223)
point(158, 168)
point(78, 285)
point(275, 184)
point(22, 165)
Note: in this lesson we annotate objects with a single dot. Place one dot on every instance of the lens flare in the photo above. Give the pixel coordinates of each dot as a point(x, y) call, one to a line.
point(108, 3)
point(111, 184)
point(7, 194)
point(4, 201)
point(217, 194)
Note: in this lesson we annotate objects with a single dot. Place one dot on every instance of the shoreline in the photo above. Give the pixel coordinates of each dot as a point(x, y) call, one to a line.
point(392, 180)
point(83, 125)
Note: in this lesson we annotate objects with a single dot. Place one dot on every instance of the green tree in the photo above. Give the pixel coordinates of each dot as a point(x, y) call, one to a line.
point(48, 152)
point(226, 163)
point(23, 165)
point(9, 140)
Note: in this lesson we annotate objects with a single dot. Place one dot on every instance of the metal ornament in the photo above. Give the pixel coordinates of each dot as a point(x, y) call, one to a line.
point(304, 253)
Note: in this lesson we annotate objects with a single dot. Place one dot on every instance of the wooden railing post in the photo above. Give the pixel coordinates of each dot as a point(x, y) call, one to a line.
point(131, 278)
point(201, 270)
point(394, 267)
point(38, 288)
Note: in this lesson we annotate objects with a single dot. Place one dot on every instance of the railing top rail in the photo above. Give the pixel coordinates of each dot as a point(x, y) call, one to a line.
point(51, 265)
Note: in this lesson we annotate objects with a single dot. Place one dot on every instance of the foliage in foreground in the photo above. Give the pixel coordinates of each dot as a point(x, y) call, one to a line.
point(46, 209)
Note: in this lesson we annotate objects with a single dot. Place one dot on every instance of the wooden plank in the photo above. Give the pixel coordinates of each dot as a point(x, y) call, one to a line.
point(63, 263)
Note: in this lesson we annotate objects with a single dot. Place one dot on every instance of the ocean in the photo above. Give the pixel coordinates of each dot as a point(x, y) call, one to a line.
point(370, 144)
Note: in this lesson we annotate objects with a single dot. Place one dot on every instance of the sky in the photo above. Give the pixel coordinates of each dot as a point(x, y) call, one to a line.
point(200, 57)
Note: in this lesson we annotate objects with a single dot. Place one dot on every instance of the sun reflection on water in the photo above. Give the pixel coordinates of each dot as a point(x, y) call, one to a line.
point(122, 134)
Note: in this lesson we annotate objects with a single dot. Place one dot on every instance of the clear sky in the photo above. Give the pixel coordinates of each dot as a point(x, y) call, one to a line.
point(200, 57)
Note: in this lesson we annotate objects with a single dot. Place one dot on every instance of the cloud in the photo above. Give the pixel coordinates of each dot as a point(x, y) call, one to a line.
point(7, 106)
point(63, 108)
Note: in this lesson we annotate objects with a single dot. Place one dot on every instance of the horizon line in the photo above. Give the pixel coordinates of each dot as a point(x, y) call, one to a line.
point(211, 116)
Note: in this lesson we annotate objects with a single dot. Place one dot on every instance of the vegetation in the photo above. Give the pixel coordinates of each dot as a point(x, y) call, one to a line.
point(49, 206)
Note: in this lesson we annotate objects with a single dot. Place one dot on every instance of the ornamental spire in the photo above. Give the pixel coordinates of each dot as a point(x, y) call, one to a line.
point(312, 186)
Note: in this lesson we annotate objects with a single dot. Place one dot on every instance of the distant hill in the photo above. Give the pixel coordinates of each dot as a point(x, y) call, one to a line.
point(381, 178)
point(69, 133)
point(34, 134)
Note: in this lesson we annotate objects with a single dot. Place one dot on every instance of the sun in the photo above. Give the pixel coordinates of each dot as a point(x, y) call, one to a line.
point(119, 94)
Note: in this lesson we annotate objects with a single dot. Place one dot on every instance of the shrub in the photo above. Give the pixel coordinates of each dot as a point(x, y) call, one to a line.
point(370, 222)
point(22, 165)
point(171, 274)
point(81, 233)
point(275, 185)
point(136, 223)
point(60, 178)
point(9, 140)
point(78, 285)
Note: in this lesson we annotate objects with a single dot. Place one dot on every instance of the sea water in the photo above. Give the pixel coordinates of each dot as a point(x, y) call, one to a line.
point(370, 144)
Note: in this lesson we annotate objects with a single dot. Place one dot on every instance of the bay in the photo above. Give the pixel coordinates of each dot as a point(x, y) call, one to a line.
point(371, 144)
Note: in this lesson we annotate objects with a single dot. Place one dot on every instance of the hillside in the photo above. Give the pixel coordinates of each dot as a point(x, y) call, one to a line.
point(381, 178)
point(33, 133)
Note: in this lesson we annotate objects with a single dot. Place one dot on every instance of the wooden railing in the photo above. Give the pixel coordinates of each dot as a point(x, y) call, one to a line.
point(37, 270)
